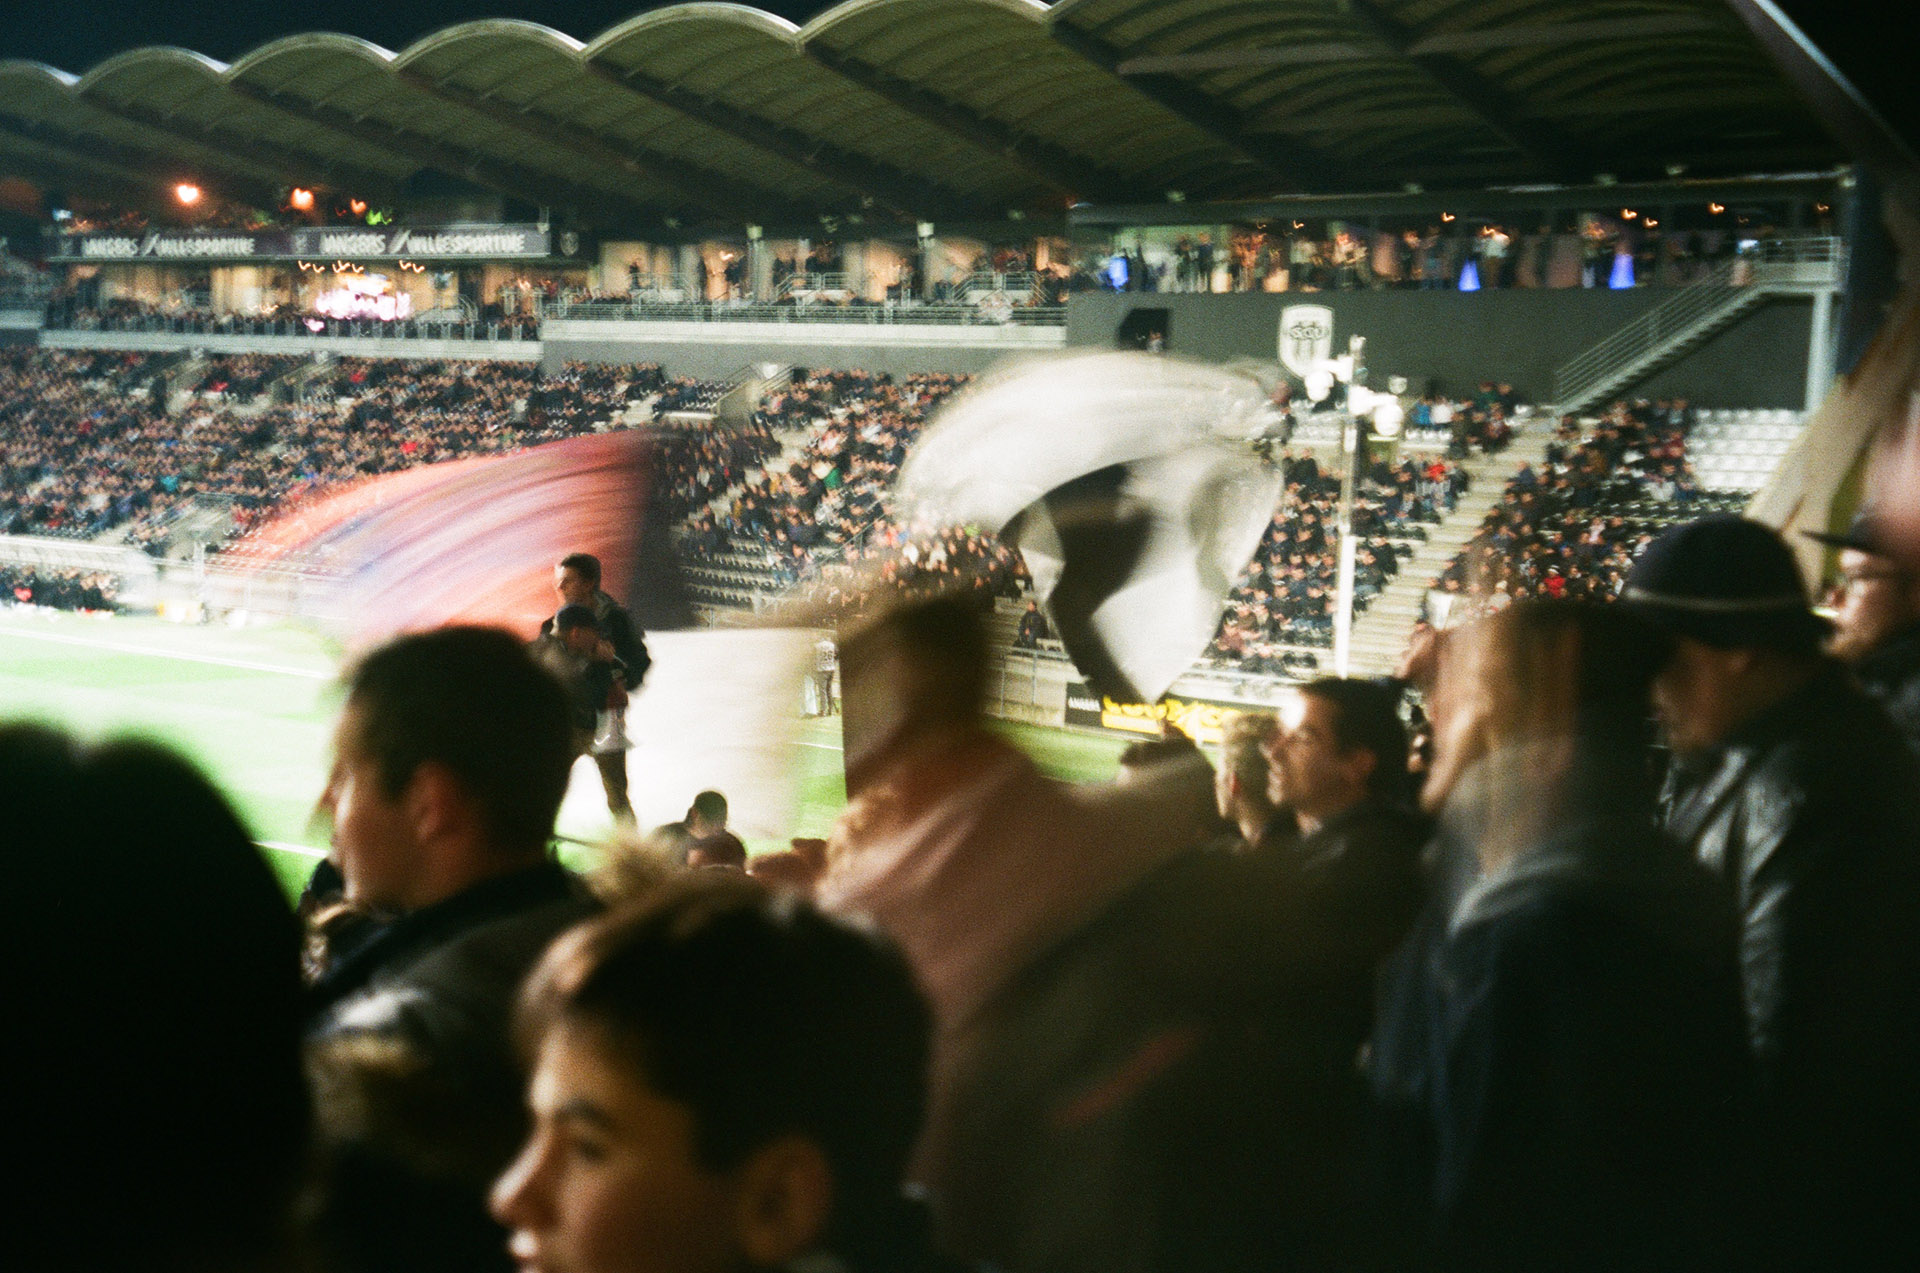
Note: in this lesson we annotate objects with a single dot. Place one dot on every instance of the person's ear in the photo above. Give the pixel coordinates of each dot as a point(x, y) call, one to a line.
point(1361, 762)
point(785, 1201)
point(436, 802)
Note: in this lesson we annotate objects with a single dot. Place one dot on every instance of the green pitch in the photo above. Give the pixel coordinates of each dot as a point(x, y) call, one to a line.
point(253, 707)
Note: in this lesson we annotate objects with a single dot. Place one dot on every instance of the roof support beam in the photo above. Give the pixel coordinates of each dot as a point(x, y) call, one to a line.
point(709, 189)
point(1555, 153)
point(52, 174)
point(1288, 161)
point(297, 166)
point(908, 194)
point(1059, 168)
point(507, 179)
point(52, 166)
point(154, 170)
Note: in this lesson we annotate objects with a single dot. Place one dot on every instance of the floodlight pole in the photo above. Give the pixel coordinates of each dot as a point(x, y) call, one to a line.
point(1352, 436)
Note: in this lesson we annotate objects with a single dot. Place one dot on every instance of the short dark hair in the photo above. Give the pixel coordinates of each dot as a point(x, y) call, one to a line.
point(762, 1015)
point(586, 565)
point(570, 617)
point(1367, 717)
point(164, 1013)
point(712, 806)
point(944, 635)
point(474, 700)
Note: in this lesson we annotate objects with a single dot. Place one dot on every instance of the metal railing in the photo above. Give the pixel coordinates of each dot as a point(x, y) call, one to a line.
point(805, 286)
point(424, 328)
point(1796, 265)
point(857, 314)
point(987, 287)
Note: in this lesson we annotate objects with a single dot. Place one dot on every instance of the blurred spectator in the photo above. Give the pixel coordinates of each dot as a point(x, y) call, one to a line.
point(1558, 1061)
point(451, 758)
point(158, 1088)
point(1799, 794)
point(749, 1076)
point(1876, 622)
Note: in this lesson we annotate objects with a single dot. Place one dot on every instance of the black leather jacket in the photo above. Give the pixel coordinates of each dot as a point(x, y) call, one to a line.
point(1811, 814)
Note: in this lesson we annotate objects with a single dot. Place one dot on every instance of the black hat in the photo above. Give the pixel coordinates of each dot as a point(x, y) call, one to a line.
point(1726, 581)
point(1864, 533)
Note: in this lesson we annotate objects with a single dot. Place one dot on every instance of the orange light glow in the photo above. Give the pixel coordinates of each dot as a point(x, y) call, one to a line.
point(187, 193)
point(300, 199)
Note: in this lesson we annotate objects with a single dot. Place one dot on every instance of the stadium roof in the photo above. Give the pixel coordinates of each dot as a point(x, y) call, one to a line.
point(940, 109)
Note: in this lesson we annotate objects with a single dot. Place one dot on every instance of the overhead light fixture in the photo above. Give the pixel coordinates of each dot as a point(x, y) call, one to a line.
point(187, 193)
point(300, 199)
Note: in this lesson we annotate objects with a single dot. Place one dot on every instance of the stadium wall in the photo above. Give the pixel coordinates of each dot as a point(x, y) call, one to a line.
point(1452, 341)
point(717, 350)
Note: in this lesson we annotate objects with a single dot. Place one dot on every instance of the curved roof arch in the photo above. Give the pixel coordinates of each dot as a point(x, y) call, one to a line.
point(702, 13)
point(308, 45)
point(25, 68)
point(935, 109)
point(156, 60)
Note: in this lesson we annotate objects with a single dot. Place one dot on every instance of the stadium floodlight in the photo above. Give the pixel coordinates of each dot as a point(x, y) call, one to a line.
point(1319, 383)
point(187, 193)
point(1388, 416)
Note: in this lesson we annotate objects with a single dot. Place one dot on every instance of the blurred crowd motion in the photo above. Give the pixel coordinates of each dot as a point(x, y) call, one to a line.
point(1584, 943)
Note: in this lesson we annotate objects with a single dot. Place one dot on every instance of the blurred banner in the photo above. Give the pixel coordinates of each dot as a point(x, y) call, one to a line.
point(1125, 481)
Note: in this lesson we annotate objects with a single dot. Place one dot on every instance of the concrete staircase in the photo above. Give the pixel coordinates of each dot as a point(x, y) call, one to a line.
point(1380, 635)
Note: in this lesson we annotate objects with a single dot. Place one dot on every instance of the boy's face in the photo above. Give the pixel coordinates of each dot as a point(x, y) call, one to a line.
point(610, 1180)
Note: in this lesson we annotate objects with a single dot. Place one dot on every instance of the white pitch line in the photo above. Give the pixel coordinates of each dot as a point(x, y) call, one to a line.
point(158, 653)
point(305, 851)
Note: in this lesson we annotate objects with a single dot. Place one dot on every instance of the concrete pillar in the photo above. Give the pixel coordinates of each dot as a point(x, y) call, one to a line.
point(1820, 351)
point(855, 257)
point(759, 270)
point(692, 277)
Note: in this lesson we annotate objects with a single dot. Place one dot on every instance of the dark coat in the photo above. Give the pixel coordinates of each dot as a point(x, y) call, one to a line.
point(1557, 1061)
point(443, 978)
point(1811, 817)
point(404, 1181)
point(1174, 1087)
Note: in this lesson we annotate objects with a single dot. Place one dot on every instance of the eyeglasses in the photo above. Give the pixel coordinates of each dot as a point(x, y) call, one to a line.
point(1856, 582)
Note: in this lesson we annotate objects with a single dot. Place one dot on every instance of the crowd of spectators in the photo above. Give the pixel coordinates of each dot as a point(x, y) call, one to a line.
point(826, 520)
point(1564, 531)
point(58, 589)
point(495, 320)
point(1285, 597)
point(242, 377)
point(1453, 255)
point(1503, 1000)
point(86, 458)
